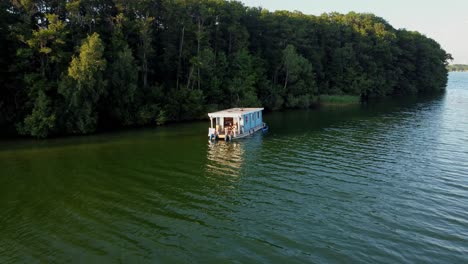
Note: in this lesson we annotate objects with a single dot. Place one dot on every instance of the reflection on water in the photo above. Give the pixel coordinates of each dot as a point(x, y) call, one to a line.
point(230, 158)
point(225, 158)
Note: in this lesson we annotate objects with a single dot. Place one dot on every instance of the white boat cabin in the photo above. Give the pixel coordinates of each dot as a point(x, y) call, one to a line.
point(235, 123)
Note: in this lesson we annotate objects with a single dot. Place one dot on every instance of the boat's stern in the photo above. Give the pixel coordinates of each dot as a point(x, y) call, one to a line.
point(211, 133)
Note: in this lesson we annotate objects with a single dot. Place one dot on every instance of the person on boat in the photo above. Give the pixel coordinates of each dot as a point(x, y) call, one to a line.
point(230, 129)
point(234, 129)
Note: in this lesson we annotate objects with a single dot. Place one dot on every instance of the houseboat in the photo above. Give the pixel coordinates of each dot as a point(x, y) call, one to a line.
point(235, 123)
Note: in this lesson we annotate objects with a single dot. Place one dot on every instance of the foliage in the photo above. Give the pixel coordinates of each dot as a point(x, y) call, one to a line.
point(80, 65)
point(299, 79)
point(457, 67)
point(85, 86)
point(339, 99)
point(241, 84)
point(42, 119)
point(122, 71)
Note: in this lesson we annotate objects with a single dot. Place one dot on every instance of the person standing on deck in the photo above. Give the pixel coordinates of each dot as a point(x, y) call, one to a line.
point(234, 129)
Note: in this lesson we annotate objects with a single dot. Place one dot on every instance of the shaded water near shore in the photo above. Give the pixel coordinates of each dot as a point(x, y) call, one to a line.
point(377, 183)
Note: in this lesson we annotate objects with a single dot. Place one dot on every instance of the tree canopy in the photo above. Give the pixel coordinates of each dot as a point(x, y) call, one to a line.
point(77, 66)
point(458, 67)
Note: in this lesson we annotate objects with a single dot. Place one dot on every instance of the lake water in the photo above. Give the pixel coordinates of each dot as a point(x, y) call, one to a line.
point(385, 182)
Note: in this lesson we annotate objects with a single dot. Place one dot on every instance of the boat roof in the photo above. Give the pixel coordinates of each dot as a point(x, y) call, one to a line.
point(234, 112)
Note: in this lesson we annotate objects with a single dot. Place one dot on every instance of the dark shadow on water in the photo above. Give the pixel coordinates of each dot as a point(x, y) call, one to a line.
point(286, 122)
point(300, 121)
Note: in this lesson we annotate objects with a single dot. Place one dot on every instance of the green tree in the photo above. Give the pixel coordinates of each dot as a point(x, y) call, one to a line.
point(42, 119)
point(299, 80)
point(45, 45)
point(48, 41)
point(242, 81)
point(123, 73)
point(144, 27)
point(8, 88)
point(84, 86)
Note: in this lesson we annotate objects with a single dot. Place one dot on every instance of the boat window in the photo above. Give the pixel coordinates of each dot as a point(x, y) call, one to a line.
point(258, 115)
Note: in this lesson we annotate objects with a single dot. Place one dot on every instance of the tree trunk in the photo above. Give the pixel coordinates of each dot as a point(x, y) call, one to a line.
point(286, 80)
point(145, 42)
point(180, 57)
point(189, 77)
point(198, 52)
point(275, 76)
point(216, 46)
point(230, 43)
point(42, 66)
point(145, 70)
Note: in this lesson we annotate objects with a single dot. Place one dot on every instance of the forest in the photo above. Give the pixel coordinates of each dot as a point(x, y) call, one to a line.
point(80, 66)
point(457, 67)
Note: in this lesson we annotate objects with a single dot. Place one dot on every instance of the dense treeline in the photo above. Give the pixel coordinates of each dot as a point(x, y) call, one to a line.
point(458, 67)
point(74, 66)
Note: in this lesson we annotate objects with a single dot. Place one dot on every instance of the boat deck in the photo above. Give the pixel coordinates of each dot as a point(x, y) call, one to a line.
point(245, 134)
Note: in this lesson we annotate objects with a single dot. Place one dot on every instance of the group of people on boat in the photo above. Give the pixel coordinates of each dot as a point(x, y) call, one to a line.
point(235, 123)
point(231, 129)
